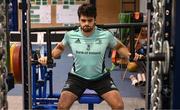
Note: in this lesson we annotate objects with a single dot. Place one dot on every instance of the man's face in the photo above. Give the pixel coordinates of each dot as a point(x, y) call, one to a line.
point(87, 23)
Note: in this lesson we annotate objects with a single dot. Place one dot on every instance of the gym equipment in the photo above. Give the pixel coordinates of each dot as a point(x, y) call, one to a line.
point(90, 97)
point(15, 62)
point(47, 99)
point(159, 78)
point(166, 49)
point(26, 73)
point(174, 44)
point(42, 87)
point(3, 55)
point(159, 89)
point(159, 58)
point(143, 78)
point(134, 80)
point(25, 42)
point(13, 15)
point(124, 18)
point(139, 78)
point(132, 66)
point(11, 56)
point(16, 57)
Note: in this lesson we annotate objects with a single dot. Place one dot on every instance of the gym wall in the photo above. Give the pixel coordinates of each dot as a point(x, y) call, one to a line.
point(107, 11)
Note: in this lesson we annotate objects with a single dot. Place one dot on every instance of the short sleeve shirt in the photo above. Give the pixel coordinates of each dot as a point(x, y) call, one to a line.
point(89, 52)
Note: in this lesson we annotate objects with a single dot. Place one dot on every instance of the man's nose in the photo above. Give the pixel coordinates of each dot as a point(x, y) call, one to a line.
point(86, 22)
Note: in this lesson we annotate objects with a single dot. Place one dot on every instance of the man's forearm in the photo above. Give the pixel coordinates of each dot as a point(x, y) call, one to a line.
point(57, 51)
point(124, 51)
point(119, 44)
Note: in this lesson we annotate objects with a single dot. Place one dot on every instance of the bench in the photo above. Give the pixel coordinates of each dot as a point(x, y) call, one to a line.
point(90, 97)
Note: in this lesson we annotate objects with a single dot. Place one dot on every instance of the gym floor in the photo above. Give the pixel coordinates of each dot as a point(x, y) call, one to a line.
point(132, 96)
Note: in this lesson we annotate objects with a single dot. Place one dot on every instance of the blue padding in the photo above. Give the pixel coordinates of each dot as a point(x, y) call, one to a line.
point(45, 107)
point(90, 99)
point(56, 95)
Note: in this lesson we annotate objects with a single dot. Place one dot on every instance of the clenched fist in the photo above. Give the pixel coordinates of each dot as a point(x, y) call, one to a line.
point(43, 60)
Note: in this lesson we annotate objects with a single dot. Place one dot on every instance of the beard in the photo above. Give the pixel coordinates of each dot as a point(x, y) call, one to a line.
point(87, 28)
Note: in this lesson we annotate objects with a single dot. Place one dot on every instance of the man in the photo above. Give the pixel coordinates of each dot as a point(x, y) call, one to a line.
point(88, 44)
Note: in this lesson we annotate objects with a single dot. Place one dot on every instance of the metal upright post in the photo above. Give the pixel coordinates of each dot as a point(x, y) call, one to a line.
point(132, 42)
point(25, 51)
point(176, 59)
point(7, 37)
point(148, 65)
point(49, 58)
point(166, 94)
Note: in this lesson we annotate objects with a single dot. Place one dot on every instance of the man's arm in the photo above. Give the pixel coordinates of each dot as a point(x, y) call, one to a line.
point(122, 49)
point(58, 50)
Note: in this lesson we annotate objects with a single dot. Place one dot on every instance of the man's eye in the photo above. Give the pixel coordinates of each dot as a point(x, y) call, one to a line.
point(90, 20)
point(83, 20)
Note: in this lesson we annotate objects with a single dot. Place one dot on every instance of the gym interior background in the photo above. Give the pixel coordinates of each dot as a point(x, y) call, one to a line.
point(148, 27)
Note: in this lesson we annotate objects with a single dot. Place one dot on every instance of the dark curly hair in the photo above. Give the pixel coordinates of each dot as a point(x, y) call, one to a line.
point(88, 10)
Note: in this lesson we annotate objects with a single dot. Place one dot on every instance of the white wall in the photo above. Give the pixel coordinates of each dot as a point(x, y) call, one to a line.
point(143, 6)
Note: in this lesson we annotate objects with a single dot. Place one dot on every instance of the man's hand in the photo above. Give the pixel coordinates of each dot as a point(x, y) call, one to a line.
point(125, 52)
point(136, 57)
point(43, 60)
point(57, 51)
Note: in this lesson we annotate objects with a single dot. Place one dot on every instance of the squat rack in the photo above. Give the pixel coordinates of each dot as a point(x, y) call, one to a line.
point(25, 50)
point(25, 33)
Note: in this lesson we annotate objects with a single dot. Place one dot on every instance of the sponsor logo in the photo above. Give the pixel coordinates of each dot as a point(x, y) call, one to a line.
point(78, 41)
point(98, 41)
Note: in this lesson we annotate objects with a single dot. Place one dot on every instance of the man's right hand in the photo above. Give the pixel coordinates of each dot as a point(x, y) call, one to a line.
point(57, 51)
point(43, 60)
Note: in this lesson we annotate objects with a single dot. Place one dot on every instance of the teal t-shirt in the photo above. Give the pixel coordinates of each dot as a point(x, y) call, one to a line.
point(89, 51)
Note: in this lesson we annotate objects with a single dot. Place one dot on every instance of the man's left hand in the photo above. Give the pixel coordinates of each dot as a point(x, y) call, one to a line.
point(137, 57)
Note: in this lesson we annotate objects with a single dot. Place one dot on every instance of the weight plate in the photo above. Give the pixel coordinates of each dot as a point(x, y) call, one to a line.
point(11, 56)
point(167, 57)
point(17, 63)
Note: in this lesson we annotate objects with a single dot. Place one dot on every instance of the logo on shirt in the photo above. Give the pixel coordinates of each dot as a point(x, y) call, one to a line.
point(88, 47)
point(98, 41)
point(112, 84)
point(78, 41)
point(66, 86)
